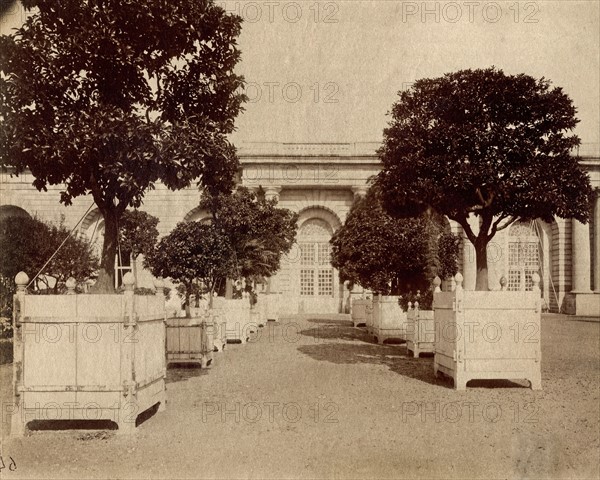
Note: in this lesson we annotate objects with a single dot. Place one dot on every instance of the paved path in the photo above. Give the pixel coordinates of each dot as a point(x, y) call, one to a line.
point(314, 398)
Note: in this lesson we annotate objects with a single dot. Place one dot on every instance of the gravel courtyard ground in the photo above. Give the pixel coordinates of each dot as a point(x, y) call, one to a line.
point(313, 397)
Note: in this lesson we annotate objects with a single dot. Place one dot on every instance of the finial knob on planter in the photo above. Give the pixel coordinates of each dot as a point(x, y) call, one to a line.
point(535, 278)
point(459, 281)
point(71, 283)
point(503, 283)
point(416, 305)
point(437, 281)
point(409, 305)
point(21, 279)
point(128, 281)
point(159, 286)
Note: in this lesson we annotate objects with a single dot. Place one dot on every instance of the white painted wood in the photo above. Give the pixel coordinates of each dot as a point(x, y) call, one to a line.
point(488, 335)
point(108, 365)
point(420, 331)
point(388, 319)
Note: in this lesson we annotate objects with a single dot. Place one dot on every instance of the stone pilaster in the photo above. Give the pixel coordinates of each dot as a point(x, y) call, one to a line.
point(580, 257)
point(597, 243)
point(359, 191)
point(272, 192)
point(581, 300)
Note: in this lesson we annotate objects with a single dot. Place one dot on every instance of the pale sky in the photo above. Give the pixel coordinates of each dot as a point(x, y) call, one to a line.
point(330, 71)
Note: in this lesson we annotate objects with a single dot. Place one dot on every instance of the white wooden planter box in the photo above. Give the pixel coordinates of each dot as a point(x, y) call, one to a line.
point(369, 317)
point(188, 340)
point(217, 328)
point(88, 357)
point(272, 306)
point(359, 311)
point(420, 331)
point(237, 317)
point(388, 319)
point(260, 311)
point(488, 335)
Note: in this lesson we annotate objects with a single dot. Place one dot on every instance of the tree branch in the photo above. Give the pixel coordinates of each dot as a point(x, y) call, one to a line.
point(484, 203)
point(462, 221)
point(496, 227)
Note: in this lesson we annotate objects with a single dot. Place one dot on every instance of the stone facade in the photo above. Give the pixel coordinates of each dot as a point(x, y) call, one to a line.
point(320, 182)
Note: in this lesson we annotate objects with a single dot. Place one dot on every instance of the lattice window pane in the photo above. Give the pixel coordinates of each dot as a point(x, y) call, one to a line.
point(307, 254)
point(324, 253)
point(522, 230)
point(307, 282)
point(531, 254)
point(529, 279)
point(326, 282)
point(513, 253)
point(523, 257)
point(315, 228)
point(514, 280)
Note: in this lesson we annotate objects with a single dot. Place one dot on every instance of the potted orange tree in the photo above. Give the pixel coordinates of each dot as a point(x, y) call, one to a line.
point(389, 256)
point(494, 148)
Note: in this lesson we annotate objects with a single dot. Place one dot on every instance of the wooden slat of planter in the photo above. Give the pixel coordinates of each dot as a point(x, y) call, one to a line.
point(150, 318)
point(445, 330)
point(522, 300)
point(155, 378)
point(72, 320)
point(91, 319)
point(49, 362)
point(70, 388)
point(182, 355)
point(509, 334)
point(444, 300)
point(66, 357)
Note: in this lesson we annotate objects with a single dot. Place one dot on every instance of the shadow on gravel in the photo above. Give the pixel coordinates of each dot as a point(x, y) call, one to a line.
point(337, 332)
point(395, 357)
point(92, 429)
point(336, 322)
point(185, 371)
point(58, 425)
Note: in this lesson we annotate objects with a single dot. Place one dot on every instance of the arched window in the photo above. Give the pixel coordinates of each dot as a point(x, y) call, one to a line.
point(316, 273)
point(523, 256)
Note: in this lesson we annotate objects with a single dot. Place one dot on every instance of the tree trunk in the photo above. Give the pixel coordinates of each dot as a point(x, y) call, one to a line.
point(188, 310)
point(481, 282)
point(106, 277)
point(133, 261)
point(210, 295)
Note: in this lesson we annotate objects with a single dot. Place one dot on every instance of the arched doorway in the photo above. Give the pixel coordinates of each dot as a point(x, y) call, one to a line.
point(7, 211)
point(307, 281)
point(198, 215)
point(316, 272)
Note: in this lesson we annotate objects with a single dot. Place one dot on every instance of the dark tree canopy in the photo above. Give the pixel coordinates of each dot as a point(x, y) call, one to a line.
point(26, 244)
point(137, 232)
point(388, 255)
point(32, 242)
point(259, 232)
point(485, 143)
point(192, 252)
point(110, 97)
